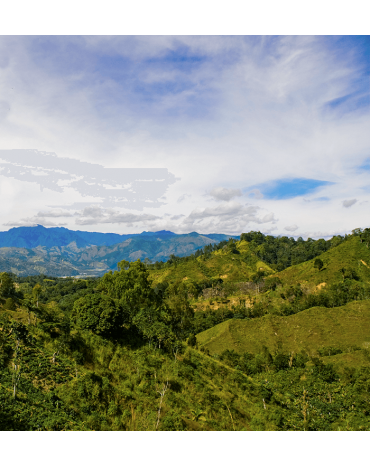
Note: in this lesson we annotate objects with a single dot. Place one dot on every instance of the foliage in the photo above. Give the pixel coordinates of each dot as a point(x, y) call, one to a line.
point(7, 289)
point(135, 351)
point(98, 313)
point(319, 264)
point(282, 252)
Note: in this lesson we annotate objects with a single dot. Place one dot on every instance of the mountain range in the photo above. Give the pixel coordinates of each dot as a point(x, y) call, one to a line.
point(59, 251)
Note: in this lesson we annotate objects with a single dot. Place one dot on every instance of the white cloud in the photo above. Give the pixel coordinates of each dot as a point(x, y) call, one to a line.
point(229, 217)
point(33, 221)
point(224, 194)
point(95, 215)
point(291, 228)
point(233, 111)
point(226, 210)
point(349, 202)
point(183, 197)
point(255, 193)
point(54, 214)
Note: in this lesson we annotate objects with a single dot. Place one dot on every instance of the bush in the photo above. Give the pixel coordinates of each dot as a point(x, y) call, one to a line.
point(10, 304)
point(318, 264)
point(192, 340)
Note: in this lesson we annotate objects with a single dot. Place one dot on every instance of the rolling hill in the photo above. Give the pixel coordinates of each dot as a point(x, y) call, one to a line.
point(350, 255)
point(312, 329)
point(123, 353)
point(230, 266)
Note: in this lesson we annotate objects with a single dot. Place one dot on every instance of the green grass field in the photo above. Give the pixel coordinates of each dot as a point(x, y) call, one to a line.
point(310, 330)
point(352, 254)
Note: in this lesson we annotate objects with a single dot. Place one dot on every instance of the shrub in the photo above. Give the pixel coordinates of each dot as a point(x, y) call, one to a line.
point(10, 304)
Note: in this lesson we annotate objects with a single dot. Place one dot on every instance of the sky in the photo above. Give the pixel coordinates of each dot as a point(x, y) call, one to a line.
point(214, 134)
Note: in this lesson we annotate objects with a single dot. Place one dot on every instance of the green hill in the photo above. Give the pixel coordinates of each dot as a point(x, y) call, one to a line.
point(310, 330)
point(352, 255)
point(231, 265)
point(120, 352)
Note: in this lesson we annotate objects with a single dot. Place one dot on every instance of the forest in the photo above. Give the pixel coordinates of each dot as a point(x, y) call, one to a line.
point(264, 333)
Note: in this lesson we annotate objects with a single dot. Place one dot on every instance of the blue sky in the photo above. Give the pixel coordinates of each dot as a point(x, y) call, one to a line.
point(289, 188)
point(254, 132)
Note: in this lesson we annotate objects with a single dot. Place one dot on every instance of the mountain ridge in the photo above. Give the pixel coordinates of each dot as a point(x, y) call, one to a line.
point(31, 237)
point(71, 254)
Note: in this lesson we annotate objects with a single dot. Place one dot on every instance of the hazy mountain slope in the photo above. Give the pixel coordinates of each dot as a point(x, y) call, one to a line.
point(310, 329)
point(22, 261)
point(95, 260)
point(31, 237)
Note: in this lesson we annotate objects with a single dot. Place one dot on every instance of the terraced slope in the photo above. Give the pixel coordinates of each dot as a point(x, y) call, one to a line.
point(310, 330)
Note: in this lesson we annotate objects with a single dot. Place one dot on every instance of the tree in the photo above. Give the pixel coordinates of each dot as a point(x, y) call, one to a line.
point(131, 287)
point(192, 340)
point(180, 310)
point(153, 324)
point(36, 291)
point(30, 307)
point(147, 261)
point(7, 288)
point(272, 283)
point(257, 279)
point(365, 236)
point(9, 304)
point(98, 313)
point(318, 264)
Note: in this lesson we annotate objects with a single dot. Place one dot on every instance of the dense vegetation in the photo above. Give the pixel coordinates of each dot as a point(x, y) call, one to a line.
point(258, 334)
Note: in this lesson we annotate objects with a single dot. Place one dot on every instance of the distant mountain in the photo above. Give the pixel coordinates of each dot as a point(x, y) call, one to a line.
point(31, 237)
point(63, 252)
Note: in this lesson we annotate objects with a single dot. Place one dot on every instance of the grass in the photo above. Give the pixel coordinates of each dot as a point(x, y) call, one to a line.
point(311, 330)
point(221, 264)
point(353, 359)
point(351, 254)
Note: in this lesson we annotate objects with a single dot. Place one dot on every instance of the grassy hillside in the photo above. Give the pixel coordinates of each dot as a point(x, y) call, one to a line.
point(225, 264)
point(96, 384)
point(102, 385)
point(350, 255)
point(119, 352)
point(311, 330)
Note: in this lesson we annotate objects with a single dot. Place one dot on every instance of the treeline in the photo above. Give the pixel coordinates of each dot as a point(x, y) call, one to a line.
point(281, 252)
point(118, 305)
